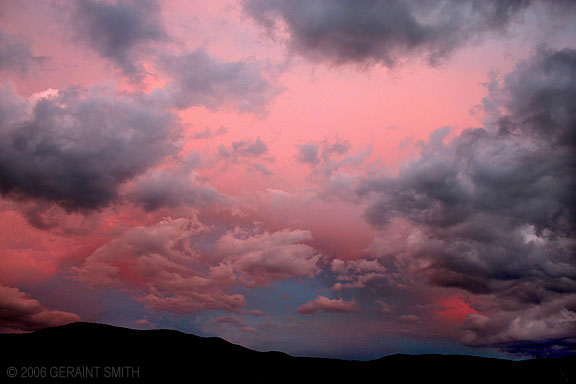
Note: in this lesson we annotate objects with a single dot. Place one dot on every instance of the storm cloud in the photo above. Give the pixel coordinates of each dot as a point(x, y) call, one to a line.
point(76, 148)
point(345, 31)
point(118, 31)
point(383, 31)
point(493, 208)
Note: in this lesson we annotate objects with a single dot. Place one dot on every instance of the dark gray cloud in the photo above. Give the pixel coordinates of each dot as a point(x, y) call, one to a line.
point(308, 153)
point(248, 148)
point(255, 148)
point(494, 206)
point(119, 31)
point(76, 148)
point(16, 55)
point(383, 31)
point(199, 79)
point(539, 330)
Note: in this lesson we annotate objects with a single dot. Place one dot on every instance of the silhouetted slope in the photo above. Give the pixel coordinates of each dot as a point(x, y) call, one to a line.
point(74, 352)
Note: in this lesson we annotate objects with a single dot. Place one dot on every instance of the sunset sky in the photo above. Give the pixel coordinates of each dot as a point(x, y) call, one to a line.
point(336, 178)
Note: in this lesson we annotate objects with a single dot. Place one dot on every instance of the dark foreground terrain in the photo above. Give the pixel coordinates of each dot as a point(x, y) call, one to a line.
point(97, 353)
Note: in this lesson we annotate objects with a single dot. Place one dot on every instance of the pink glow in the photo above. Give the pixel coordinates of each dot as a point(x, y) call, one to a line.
point(454, 309)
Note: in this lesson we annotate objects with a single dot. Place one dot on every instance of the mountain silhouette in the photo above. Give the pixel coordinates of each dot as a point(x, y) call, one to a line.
point(98, 353)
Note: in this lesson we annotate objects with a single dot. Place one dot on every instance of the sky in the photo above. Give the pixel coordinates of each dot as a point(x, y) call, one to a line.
point(335, 178)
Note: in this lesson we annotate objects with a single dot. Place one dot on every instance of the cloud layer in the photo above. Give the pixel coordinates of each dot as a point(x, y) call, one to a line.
point(183, 266)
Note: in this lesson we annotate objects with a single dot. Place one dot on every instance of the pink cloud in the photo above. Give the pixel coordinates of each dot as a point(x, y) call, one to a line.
point(325, 304)
point(20, 312)
point(36, 251)
point(168, 266)
point(356, 273)
point(159, 264)
point(265, 257)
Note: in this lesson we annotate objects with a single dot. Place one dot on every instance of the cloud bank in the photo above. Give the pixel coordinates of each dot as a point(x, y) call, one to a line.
point(493, 212)
point(381, 31)
point(20, 312)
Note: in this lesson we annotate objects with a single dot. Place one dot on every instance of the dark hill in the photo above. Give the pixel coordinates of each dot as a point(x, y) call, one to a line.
point(97, 353)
